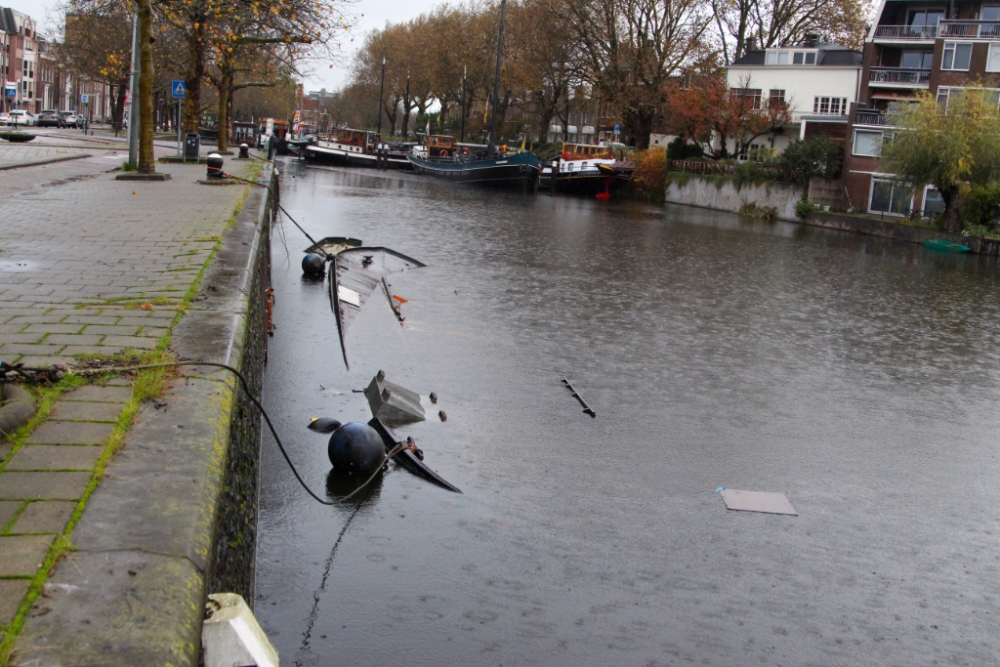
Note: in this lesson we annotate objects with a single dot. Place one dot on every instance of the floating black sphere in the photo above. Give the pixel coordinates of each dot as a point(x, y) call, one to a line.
point(356, 448)
point(313, 264)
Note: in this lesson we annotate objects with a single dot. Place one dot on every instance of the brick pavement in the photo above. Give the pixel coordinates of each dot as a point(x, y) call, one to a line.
point(91, 265)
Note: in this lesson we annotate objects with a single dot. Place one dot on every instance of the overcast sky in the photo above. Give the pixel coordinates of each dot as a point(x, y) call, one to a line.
point(370, 14)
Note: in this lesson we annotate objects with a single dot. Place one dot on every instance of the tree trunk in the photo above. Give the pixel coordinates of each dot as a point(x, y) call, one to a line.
point(225, 83)
point(951, 218)
point(147, 161)
point(195, 75)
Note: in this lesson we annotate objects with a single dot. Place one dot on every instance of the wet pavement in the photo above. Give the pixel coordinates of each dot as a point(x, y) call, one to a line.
point(857, 376)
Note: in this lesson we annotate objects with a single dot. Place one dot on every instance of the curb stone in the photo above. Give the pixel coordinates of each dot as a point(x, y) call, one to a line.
point(17, 407)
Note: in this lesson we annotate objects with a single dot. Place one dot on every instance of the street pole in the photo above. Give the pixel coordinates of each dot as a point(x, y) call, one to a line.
point(179, 102)
point(381, 92)
point(133, 113)
point(465, 73)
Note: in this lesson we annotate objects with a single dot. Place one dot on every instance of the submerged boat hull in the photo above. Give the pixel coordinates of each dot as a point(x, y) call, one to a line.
point(519, 170)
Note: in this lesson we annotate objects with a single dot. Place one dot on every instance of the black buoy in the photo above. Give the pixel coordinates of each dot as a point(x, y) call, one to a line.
point(313, 265)
point(356, 448)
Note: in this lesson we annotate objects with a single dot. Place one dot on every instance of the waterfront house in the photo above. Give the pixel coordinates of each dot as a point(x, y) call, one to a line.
point(815, 80)
point(939, 47)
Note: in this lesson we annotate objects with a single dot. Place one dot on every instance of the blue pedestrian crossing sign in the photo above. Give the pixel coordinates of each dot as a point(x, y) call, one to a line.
point(178, 89)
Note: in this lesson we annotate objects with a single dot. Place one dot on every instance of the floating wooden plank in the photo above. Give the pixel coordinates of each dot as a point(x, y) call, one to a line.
point(757, 501)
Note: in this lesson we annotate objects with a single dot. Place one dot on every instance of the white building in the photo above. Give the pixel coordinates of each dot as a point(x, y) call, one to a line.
point(816, 80)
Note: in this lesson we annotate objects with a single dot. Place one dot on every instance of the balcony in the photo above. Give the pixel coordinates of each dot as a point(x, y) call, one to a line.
point(908, 33)
point(969, 29)
point(870, 117)
point(899, 77)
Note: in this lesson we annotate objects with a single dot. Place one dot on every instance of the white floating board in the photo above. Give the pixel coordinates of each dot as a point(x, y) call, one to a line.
point(757, 501)
point(348, 296)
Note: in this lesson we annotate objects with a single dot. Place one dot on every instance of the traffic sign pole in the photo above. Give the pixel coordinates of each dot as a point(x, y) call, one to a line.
point(178, 90)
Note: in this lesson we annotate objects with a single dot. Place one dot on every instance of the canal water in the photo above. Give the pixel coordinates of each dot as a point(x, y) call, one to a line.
point(859, 377)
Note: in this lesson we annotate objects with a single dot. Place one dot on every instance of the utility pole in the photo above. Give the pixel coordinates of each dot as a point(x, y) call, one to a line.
point(381, 92)
point(465, 73)
point(133, 113)
point(491, 151)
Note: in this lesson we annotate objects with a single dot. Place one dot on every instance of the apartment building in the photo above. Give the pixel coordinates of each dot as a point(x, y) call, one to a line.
point(815, 80)
point(939, 47)
point(19, 60)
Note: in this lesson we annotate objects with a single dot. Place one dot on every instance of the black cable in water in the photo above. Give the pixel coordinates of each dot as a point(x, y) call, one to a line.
point(282, 209)
point(246, 389)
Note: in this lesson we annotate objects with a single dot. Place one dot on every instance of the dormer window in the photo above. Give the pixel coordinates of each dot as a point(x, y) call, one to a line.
point(786, 57)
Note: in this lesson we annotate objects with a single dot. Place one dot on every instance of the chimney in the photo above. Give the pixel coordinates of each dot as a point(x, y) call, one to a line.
point(751, 44)
point(812, 40)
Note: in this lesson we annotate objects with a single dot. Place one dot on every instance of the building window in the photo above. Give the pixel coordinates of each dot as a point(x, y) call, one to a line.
point(957, 56)
point(993, 58)
point(776, 58)
point(989, 13)
point(917, 59)
point(830, 106)
point(867, 143)
point(890, 197)
point(810, 59)
point(752, 96)
point(933, 202)
point(775, 98)
point(926, 17)
point(798, 58)
point(991, 97)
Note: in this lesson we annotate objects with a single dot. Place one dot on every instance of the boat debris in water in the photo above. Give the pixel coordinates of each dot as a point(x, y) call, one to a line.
point(393, 404)
point(354, 272)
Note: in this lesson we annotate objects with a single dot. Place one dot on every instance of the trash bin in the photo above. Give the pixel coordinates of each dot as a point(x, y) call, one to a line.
point(192, 146)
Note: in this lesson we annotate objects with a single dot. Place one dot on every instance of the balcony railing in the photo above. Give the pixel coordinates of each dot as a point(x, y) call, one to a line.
point(926, 32)
point(970, 29)
point(897, 75)
point(869, 117)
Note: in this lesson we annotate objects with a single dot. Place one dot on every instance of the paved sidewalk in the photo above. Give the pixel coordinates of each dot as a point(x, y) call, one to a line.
point(89, 265)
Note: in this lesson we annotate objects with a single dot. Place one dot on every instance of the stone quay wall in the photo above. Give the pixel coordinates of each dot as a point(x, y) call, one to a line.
point(722, 193)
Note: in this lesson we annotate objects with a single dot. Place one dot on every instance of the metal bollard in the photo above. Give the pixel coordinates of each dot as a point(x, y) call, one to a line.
point(244, 151)
point(214, 162)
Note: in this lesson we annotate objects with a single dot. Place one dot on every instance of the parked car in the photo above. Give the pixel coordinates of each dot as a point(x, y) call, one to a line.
point(49, 118)
point(20, 117)
point(69, 118)
point(3, 117)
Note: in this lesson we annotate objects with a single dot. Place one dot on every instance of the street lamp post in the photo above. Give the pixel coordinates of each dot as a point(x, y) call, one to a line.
point(406, 108)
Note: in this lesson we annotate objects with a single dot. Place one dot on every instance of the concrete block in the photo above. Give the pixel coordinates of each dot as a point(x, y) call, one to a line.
point(12, 592)
point(43, 485)
point(34, 350)
point(45, 516)
point(8, 508)
point(116, 608)
point(98, 394)
point(55, 457)
point(129, 341)
point(232, 636)
point(80, 411)
point(116, 330)
point(54, 328)
point(70, 433)
point(23, 554)
point(73, 339)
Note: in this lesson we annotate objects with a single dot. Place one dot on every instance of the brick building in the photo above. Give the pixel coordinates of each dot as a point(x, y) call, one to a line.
point(940, 47)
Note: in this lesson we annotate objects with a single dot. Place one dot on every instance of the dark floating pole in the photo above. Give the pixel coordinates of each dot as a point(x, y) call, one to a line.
point(587, 410)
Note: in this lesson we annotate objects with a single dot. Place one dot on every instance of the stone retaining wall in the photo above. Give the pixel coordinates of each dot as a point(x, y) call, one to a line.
point(723, 194)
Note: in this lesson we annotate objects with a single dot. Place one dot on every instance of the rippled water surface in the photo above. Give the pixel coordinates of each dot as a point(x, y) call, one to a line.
point(857, 376)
